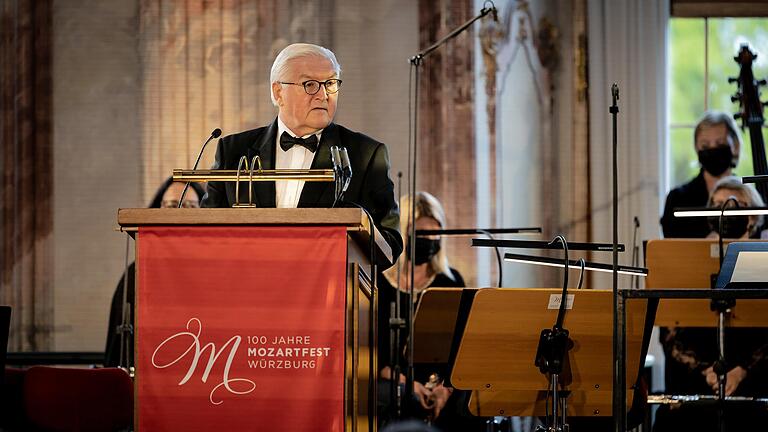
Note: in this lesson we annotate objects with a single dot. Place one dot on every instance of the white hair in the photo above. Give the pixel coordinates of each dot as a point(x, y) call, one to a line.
point(297, 50)
point(751, 194)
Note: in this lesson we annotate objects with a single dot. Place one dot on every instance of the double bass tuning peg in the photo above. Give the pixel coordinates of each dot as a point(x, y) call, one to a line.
point(762, 82)
point(736, 97)
point(732, 80)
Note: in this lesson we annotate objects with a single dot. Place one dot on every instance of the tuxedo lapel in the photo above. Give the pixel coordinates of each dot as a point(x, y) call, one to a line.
point(264, 147)
point(320, 194)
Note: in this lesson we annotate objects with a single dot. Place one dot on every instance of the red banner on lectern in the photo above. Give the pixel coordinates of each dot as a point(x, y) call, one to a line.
point(241, 328)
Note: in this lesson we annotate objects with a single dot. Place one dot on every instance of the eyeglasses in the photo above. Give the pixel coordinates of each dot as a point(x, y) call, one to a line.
point(184, 204)
point(718, 204)
point(313, 86)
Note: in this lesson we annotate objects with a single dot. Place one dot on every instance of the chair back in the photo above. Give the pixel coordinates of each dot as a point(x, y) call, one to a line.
point(69, 399)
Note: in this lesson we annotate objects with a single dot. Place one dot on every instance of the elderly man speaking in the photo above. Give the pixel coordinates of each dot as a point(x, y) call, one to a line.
point(305, 82)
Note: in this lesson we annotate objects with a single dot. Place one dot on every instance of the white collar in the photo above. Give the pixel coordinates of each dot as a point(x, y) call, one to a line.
point(281, 127)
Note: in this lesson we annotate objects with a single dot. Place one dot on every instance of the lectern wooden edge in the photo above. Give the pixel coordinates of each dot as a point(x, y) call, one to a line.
point(688, 263)
point(361, 304)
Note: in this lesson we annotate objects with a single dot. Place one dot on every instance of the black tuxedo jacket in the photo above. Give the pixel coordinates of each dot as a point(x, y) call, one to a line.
point(370, 186)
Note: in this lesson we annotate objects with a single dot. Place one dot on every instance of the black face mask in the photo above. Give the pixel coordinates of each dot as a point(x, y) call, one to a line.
point(733, 226)
point(425, 250)
point(716, 160)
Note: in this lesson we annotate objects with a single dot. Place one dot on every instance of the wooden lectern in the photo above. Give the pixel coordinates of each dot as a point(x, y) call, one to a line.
point(359, 350)
point(498, 347)
point(690, 263)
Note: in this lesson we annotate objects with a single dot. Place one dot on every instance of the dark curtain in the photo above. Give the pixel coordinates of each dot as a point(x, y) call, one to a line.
point(27, 159)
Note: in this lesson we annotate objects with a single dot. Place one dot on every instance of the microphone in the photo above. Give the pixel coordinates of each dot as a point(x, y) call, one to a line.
point(346, 169)
point(215, 134)
point(336, 161)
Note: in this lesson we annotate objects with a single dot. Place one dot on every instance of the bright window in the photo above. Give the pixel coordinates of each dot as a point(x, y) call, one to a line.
point(700, 62)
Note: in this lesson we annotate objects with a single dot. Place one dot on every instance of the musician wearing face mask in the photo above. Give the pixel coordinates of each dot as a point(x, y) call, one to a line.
point(717, 143)
point(735, 227)
point(434, 400)
point(690, 353)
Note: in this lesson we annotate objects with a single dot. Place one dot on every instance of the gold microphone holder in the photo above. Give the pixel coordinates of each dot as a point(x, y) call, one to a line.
point(252, 173)
point(206, 175)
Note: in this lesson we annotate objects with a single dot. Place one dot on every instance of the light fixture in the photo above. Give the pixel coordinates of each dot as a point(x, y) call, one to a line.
point(755, 179)
point(474, 231)
point(591, 266)
point(541, 244)
point(706, 211)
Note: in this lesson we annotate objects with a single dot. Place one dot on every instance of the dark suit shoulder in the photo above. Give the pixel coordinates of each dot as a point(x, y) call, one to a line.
point(243, 139)
point(363, 142)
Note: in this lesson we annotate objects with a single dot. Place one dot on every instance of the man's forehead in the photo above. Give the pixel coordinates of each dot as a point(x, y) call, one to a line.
point(312, 67)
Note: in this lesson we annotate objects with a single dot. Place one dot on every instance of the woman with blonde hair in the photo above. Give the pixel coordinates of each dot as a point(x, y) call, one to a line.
point(431, 260)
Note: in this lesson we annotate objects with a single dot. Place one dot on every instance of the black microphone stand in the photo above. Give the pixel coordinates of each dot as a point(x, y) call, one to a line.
point(721, 306)
point(554, 344)
point(619, 345)
point(396, 325)
point(416, 62)
point(214, 134)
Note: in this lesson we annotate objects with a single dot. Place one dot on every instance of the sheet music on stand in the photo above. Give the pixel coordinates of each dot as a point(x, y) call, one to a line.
point(738, 297)
point(745, 266)
point(689, 264)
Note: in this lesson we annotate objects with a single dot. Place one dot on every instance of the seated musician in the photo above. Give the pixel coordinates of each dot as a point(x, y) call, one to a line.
point(167, 196)
point(691, 352)
point(735, 227)
point(717, 143)
point(433, 400)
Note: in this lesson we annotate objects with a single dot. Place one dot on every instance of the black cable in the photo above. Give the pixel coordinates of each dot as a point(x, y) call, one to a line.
point(720, 225)
point(409, 376)
point(498, 255)
point(561, 310)
point(395, 394)
point(583, 264)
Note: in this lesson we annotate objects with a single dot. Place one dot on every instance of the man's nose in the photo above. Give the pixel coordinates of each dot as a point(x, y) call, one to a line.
point(322, 94)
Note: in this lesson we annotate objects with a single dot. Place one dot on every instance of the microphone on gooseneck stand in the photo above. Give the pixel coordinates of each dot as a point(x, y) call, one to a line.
point(215, 134)
point(346, 169)
point(336, 161)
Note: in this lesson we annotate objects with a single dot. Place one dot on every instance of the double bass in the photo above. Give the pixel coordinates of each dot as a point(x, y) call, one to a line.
point(751, 114)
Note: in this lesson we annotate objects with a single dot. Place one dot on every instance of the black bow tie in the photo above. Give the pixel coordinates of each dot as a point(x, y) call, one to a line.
point(287, 141)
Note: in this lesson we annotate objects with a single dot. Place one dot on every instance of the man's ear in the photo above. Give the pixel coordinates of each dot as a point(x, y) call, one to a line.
point(277, 91)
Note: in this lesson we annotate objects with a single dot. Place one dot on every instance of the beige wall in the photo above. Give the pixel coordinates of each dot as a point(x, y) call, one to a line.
point(97, 123)
point(96, 168)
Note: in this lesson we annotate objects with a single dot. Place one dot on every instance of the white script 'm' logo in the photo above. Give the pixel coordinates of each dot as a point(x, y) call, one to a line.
point(194, 347)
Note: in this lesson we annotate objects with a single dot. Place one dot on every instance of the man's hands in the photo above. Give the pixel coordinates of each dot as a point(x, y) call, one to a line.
point(732, 380)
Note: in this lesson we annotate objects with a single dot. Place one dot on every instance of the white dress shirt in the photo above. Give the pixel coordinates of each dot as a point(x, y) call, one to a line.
point(288, 192)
